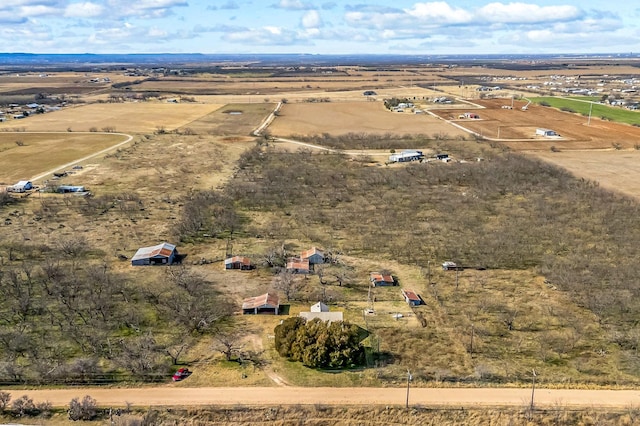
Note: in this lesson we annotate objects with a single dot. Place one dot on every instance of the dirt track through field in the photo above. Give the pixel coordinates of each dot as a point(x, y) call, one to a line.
point(85, 158)
point(467, 397)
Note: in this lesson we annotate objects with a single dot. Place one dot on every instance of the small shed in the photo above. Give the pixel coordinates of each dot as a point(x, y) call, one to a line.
point(65, 189)
point(238, 262)
point(267, 304)
point(411, 297)
point(377, 279)
point(319, 307)
point(314, 255)
point(161, 254)
point(298, 266)
point(321, 311)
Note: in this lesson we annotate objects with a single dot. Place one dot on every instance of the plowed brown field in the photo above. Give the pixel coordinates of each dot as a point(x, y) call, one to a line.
point(498, 123)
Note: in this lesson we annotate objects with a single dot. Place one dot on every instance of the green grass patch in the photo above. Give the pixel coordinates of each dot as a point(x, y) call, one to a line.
point(583, 105)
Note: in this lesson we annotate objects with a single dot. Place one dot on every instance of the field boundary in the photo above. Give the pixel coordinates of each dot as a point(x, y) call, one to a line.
point(128, 139)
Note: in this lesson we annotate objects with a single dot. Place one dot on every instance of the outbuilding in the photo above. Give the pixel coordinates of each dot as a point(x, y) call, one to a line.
point(298, 266)
point(378, 279)
point(162, 254)
point(238, 262)
point(22, 186)
point(411, 297)
point(314, 255)
point(321, 311)
point(319, 307)
point(405, 156)
point(65, 189)
point(267, 303)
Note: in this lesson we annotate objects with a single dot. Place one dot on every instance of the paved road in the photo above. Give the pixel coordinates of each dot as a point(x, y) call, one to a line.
point(467, 397)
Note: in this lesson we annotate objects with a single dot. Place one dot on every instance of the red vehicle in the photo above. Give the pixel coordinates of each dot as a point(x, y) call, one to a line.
point(181, 374)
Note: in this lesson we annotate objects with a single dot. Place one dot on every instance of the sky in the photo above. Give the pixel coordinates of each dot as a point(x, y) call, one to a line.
point(320, 27)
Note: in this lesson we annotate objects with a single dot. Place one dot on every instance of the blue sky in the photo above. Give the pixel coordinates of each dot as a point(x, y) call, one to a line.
point(319, 27)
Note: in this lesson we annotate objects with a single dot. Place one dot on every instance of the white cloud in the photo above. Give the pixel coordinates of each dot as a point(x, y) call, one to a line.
point(440, 12)
point(311, 19)
point(37, 10)
point(144, 8)
point(293, 5)
point(265, 36)
point(84, 10)
point(11, 18)
point(526, 13)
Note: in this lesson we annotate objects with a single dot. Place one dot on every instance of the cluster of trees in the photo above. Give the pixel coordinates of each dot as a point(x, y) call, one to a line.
point(208, 212)
point(369, 141)
point(67, 318)
point(507, 212)
point(319, 344)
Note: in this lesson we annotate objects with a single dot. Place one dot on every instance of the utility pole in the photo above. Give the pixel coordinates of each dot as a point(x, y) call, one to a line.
point(533, 387)
point(590, 109)
point(408, 381)
point(471, 345)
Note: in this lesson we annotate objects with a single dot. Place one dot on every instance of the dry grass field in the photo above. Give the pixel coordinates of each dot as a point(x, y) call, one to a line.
point(131, 117)
point(24, 155)
point(612, 169)
point(71, 84)
point(361, 117)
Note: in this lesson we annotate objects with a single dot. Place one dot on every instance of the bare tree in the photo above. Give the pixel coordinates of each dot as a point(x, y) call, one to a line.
point(228, 343)
point(320, 271)
point(509, 318)
point(275, 256)
point(174, 351)
point(287, 283)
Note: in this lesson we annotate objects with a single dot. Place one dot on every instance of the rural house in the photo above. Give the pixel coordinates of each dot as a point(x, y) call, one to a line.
point(314, 255)
point(22, 186)
point(406, 155)
point(298, 266)
point(411, 297)
point(238, 262)
point(162, 254)
point(378, 280)
point(267, 303)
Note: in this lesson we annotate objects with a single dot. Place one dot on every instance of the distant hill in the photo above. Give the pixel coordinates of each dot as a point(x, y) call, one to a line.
point(82, 60)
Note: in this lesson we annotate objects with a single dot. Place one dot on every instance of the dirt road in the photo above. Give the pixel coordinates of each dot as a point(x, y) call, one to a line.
point(177, 396)
point(85, 158)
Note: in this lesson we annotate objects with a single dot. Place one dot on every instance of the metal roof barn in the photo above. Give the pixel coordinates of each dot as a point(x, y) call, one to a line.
point(267, 303)
point(162, 254)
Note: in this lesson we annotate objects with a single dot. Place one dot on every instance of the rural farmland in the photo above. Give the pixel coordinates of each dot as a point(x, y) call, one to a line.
point(535, 224)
